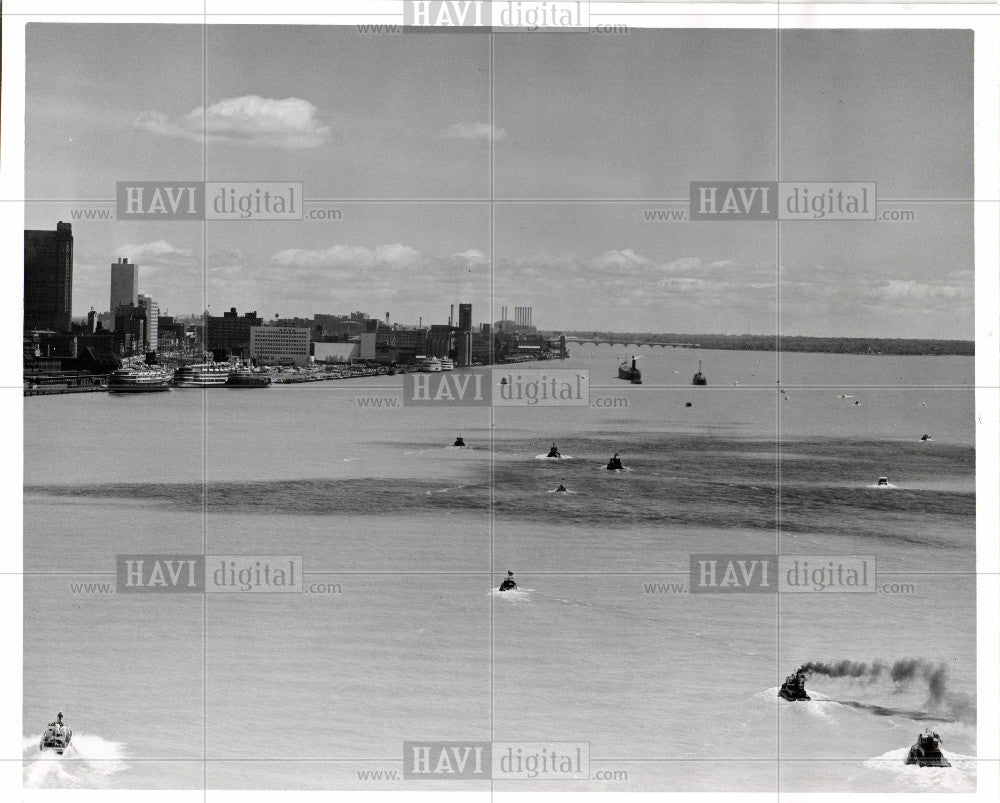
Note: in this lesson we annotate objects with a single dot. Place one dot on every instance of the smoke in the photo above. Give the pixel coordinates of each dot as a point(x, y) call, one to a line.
point(903, 674)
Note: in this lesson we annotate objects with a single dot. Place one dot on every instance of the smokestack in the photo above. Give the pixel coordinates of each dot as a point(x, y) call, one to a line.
point(387, 319)
point(451, 316)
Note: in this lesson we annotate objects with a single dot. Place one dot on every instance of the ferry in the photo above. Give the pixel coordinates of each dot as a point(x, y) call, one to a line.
point(429, 364)
point(447, 364)
point(248, 378)
point(138, 379)
point(203, 375)
point(699, 378)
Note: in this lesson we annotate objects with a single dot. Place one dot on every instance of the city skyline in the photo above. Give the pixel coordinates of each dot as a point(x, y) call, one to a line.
point(417, 147)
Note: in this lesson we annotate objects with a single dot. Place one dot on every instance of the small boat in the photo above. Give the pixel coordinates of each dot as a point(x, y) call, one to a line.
point(925, 438)
point(56, 737)
point(883, 481)
point(699, 378)
point(615, 463)
point(561, 489)
point(459, 441)
point(794, 687)
point(508, 584)
point(248, 378)
point(138, 379)
point(554, 451)
point(927, 751)
point(629, 371)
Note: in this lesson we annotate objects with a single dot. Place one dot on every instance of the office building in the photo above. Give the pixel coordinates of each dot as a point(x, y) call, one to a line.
point(279, 345)
point(152, 328)
point(124, 285)
point(231, 332)
point(48, 278)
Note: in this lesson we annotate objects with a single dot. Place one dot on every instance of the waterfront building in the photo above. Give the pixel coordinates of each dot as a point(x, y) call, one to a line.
point(48, 278)
point(124, 284)
point(130, 330)
point(336, 352)
point(279, 345)
point(231, 332)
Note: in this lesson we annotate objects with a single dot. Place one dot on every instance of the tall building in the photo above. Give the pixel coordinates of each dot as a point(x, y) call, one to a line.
point(130, 330)
point(152, 328)
point(231, 332)
point(465, 317)
point(279, 345)
point(48, 278)
point(124, 284)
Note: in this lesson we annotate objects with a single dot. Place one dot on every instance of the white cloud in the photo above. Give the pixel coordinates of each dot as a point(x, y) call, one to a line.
point(158, 250)
point(351, 258)
point(470, 259)
point(472, 131)
point(290, 124)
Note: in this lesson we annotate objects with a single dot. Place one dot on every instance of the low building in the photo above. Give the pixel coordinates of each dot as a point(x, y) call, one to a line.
point(279, 345)
point(336, 352)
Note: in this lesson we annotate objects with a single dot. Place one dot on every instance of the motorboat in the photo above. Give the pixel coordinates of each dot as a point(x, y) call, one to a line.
point(927, 751)
point(508, 583)
point(57, 737)
point(554, 452)
point(629, 371)
point(699, 378)
point(615, 463)
point(794, 687)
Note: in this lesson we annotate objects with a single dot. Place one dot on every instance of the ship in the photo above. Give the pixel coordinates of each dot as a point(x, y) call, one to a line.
point(203, 375)
point(699, 378)
point(428, 364)
point(138, 379)
point(447, 364)
point(927, 751)
point(248, 378)
point(629, 371)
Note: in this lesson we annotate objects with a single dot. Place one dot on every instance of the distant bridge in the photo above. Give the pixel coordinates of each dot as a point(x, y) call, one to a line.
point(597, 340)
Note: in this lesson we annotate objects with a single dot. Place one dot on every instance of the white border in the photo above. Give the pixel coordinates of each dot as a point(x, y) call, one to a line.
point(982, 17)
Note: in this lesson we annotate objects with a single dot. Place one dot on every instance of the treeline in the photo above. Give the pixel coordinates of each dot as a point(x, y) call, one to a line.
point(835, 345)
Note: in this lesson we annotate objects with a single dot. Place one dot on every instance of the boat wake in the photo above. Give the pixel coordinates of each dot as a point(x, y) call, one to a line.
point(88, 762)
point(546, 457)
point(959, 777)
point(515, 596)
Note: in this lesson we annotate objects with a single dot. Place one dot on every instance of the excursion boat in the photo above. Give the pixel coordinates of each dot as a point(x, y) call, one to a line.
point(629, 371)
point(137, 379)
point(429, 364)
point(248, 378)
point(699, 378)
point(203, 375)
point(447, 364)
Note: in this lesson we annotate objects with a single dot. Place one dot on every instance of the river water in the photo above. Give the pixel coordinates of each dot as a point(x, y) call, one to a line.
point(404, 539)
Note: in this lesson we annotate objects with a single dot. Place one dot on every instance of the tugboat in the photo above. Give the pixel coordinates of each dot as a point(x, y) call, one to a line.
point(459, 441)
point(561, 489)
point(699, 378)
point(794, 687)
point(554, 452)
point(629, 371)
point(927, 751)
point(615, 463)
point(508, 584)
point(56, 737)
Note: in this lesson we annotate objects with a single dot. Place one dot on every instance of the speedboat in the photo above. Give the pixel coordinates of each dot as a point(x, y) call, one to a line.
point(459, 441)
point(508, 584)
point(794, 687)
point(927, 751)
point(554, 452)
point(56, 737)
point(883, 480)
point(615, 463)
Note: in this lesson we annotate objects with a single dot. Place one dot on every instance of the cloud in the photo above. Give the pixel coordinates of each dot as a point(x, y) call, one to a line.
point(472, 131)
point(471, 259)
point(349, 259)
point(156, 251)
point(290, 124)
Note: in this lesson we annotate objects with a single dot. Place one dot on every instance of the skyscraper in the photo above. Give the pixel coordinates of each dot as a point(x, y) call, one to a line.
point(465, 317)
point(48, 278)
point(152, 328)
point(124, 285)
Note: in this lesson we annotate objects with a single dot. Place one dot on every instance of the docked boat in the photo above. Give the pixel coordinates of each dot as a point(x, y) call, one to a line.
point(447, 364)
point(429, 364)
point(203, 375)
point(699, 378)
point(629, 371)
point(138, 379)
point(927, 751)
point(248, 378)
point(56, 737)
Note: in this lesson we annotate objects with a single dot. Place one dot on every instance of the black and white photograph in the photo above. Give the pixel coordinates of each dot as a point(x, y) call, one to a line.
point(501, 397)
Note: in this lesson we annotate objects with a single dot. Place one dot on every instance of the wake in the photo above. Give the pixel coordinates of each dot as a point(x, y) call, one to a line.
point(88, 761)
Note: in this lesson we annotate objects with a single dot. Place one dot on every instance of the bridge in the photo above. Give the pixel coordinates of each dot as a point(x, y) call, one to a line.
point(610, 340)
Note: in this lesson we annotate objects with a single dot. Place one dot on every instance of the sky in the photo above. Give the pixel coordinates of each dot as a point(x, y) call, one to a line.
point(588, 132)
